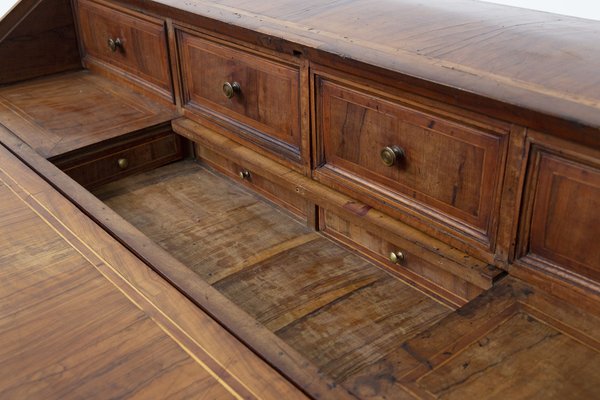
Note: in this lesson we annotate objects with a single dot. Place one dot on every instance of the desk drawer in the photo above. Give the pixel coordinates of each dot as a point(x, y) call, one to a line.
point(103, 163)
point(136, 45)
point(438, 166)
point(257, 98)
point(561, 222)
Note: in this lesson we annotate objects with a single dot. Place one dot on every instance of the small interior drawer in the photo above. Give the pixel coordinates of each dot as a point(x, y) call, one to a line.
point(125, 156)
point(256, 98)
point(285, 198)
point(136, 44)
point(455, 281)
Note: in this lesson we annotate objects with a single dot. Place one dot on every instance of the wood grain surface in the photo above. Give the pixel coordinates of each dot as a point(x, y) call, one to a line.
point(81, 317)
point(65, 112)
point(328, 304)
point(476, 50)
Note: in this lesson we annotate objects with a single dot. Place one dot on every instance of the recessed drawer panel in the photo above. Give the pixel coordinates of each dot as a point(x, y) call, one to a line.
point(401, 156)
point(565, 215)
point(257, 97)
point(125, 156)
point(287, 199)
point(137, 45)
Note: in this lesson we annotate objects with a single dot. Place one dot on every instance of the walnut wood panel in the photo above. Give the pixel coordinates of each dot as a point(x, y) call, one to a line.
point(61, 113)
point(143, 43)
point(128, 155)
point(81, 317)
point(41, 42)
point(453, 282)
point(282, 273)
point(450, 172)
point(562, 224)
point(273, 191)
point(266, 110)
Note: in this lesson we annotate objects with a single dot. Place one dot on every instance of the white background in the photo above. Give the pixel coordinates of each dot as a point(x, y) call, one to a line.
point(578, 8)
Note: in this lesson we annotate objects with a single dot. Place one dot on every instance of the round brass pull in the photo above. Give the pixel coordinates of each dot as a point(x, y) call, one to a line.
point(244, 174)
point(114, 44)
point(396, 257)
point(230, 89)
point(391, 155)
point(123, 163)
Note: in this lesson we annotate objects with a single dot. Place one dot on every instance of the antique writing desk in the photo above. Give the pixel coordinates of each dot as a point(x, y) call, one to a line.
point(323, 199)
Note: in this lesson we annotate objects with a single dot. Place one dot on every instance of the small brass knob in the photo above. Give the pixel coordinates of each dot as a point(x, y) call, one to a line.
point(230, 89)
point(114, 44)
point(244, 174)
point(391, 155)
point(122, 163)
point(396, 257)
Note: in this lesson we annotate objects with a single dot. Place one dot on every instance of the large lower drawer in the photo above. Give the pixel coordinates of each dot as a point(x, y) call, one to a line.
point(411, 158)
point(135, 153)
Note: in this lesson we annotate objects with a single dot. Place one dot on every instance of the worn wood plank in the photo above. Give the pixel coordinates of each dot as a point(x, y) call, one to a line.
point(194, 217)
point(64, 112)
point(514, 341)
point(538, 360)
point(68, 333)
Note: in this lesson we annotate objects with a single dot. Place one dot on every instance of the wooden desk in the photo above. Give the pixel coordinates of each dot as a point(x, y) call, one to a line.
point(82, 317)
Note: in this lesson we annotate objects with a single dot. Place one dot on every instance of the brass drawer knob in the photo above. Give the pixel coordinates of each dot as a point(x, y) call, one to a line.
point(396, 257)
point(114, 44)
point(230, 89)
point(122, 163)
point(391, 155)
point(244, 174)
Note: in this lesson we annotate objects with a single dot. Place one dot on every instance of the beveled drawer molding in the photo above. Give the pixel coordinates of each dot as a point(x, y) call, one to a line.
point(129, 44)
point(255, 97)
point(561, 212)
point(410, 157)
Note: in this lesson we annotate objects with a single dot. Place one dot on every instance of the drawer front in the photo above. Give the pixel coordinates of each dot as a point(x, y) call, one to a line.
point(565, 215)
point(417, 265)
point(285, 198)
point(139, 45)
point(442, 169)
point(264, 106)
point(107, 163)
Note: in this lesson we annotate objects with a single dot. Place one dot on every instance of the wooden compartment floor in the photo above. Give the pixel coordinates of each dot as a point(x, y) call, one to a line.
point(367, 330)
